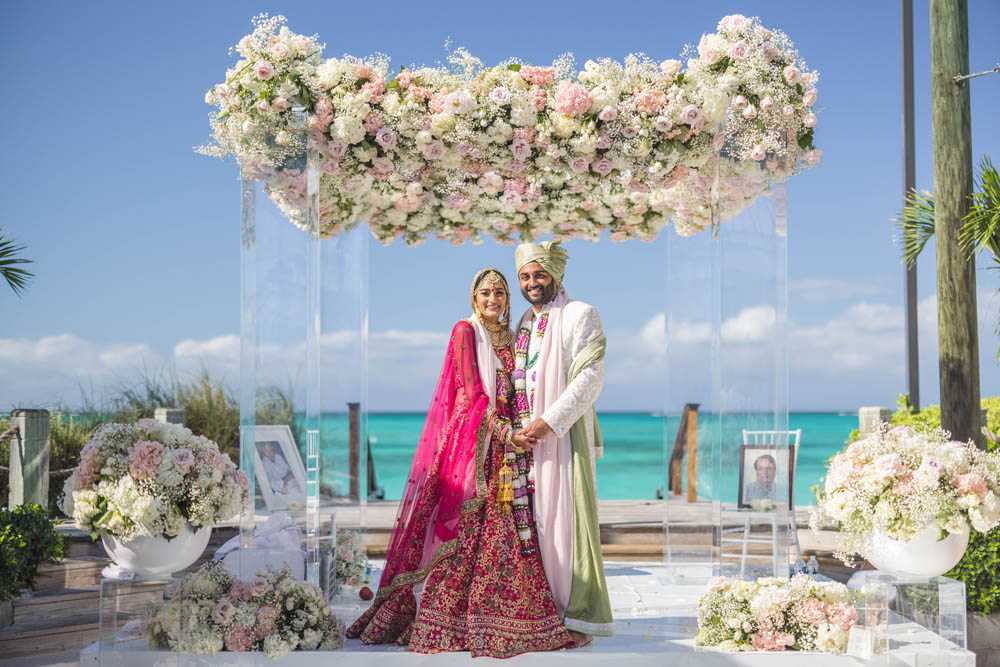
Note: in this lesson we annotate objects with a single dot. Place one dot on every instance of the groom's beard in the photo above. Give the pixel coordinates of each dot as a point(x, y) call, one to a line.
point(546, 294)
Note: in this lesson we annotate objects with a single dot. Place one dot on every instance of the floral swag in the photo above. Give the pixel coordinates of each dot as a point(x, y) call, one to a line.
point(518, 150)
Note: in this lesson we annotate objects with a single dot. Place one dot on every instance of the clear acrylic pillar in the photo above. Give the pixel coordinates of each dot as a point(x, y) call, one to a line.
point(280, 354)
point(726, 322)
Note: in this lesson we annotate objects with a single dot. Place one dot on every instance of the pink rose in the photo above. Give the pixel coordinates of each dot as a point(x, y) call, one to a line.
point(239, 591)
point(572, 99)
point(491, 181)
point(518, 185)
point(809, 98)
point(758, 152)
point(587, 205)
point(372, 123)
point(263, 70)
point(930, 463)
point(244, 44)
point(500, 96)
point(792, 74)
point(223, 612)
point(888, 465)
point(376, 88)
point(525, 134)
point(301, 43)
point(516, 167)
point(337, 148)
point(716, 584)
point(628, 131)
point(363, 71)
point(766, 104)
point(144, 457)
point(739, 102)
point(385, 138)
point(434, 150)
point(733, 23)
point(711, 56)
point(603, 142)
point(520, 149)
point(280, 104)
point(259, 586)
point(242, 480)
point(750, 112)
point(608, 113)
point(511, 197)
point(382, 167)
point(602, 166)
point(769, 51)
point(279, 50)
point(739, 51)
point(788, 112)
point(662, 124)
point(809, 120)
point(183, 459)
point(692, 115)
point(263, 106)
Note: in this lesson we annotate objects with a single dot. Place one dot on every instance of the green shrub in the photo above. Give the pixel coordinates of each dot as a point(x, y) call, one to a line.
point(27, 539)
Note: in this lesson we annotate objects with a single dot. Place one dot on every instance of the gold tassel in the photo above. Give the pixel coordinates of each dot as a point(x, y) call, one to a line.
point(505, 494)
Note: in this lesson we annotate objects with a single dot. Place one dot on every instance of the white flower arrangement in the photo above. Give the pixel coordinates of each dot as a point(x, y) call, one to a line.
point(897, 481)
point(516, 150)
point(772, 614)
point(352, 560)
point(151, 479)
point(210, 610)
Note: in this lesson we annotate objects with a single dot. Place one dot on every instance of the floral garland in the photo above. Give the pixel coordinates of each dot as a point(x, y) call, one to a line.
point(897, 480)
point(519, 150)
point(772, 614)
point(210, 610)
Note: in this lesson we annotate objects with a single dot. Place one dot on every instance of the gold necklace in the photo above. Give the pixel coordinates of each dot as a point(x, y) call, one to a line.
point(500, 334)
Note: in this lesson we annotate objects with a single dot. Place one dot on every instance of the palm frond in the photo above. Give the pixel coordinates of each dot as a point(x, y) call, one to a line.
point(16, 277)
point(981, 226)
point(915, 225)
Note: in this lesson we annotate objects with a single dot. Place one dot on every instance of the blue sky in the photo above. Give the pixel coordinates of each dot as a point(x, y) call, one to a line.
point(135, 237)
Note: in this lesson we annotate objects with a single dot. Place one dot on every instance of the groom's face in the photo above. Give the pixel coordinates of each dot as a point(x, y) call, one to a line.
point(537, 286)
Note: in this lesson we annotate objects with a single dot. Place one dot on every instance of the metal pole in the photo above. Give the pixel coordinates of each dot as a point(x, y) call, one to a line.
point(909, 183)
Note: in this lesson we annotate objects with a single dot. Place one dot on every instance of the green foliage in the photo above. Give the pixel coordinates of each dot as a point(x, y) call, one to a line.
point(17, 278)
point(27, 539)
point(980, 566)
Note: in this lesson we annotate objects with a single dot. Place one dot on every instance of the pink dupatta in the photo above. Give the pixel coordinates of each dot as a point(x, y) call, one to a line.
point(447, 477)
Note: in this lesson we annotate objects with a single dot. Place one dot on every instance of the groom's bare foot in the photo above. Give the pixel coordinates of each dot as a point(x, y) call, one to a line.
point(579, 639)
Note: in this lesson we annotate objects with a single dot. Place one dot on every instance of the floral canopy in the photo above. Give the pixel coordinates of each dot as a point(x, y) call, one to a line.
point(517, 150)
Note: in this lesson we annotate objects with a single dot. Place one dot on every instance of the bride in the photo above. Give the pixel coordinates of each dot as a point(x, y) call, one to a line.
point(462, 571)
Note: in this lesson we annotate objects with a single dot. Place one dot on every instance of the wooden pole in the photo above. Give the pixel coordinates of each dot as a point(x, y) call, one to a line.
point(29, 459)
point(354, 453)
point(692, 455)
point(958, 340)
point(909, 183)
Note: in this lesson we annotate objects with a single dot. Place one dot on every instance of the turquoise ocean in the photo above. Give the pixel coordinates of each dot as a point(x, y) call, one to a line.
point(632, 467)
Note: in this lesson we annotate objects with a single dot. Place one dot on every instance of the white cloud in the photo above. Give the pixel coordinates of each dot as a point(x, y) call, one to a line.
point(824, 289)
point(855, 357)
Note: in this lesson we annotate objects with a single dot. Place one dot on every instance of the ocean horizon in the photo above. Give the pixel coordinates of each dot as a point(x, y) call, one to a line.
point(633, 464)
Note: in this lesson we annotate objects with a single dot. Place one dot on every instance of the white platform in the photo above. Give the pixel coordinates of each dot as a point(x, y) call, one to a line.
point(655, 624)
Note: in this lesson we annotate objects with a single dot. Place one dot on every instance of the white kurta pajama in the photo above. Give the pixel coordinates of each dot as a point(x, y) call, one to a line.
point(556, 501)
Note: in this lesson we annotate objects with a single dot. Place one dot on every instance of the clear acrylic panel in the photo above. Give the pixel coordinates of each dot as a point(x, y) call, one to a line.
point(125, 608)
point(280, 357)
point(727, 353)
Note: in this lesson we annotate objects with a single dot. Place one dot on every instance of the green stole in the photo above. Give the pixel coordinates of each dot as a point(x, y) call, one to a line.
point(589, 609)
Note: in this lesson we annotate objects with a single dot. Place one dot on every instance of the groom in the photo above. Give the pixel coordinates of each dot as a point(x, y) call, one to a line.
point(559, 371)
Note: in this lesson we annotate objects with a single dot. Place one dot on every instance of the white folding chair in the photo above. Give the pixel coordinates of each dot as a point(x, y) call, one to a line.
point(741, 534)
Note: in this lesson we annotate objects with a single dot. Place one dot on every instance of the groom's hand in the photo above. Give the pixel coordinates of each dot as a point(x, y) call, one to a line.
point(522, 441)
point(537, 429)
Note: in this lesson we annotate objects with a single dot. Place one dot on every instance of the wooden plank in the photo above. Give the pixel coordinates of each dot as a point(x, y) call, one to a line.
point(691, 440)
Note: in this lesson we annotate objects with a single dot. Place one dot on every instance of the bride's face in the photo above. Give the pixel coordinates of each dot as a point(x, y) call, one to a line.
point(492, 300)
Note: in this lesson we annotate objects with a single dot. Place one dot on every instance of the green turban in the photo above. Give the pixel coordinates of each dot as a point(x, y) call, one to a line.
point(549, 254)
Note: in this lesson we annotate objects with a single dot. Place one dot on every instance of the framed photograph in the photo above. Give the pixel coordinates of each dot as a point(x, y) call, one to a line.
point(280, 474)
point(758, 467)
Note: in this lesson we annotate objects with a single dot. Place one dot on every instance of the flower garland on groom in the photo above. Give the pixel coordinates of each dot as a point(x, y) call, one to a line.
point(558, 375)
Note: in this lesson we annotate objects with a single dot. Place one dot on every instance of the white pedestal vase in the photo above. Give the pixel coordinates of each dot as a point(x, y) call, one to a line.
point(158, 556)
point(923, 556)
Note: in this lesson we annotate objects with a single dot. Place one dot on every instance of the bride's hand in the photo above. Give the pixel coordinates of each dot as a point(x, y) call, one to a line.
point(525, 442)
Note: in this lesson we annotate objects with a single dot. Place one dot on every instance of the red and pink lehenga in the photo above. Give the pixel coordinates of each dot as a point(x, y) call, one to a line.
point(483, 591)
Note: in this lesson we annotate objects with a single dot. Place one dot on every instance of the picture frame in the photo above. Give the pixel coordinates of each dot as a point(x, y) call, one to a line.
point(753, 481)
point(278, 468)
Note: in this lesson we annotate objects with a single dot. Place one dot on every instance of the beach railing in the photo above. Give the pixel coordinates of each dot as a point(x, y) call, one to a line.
point(686, 444)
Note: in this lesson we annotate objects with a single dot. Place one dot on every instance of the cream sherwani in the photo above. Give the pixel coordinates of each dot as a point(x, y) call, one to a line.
point(556, 500)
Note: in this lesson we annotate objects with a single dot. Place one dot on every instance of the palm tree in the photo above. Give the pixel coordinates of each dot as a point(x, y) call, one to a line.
point(15, 276)
point(980, 228)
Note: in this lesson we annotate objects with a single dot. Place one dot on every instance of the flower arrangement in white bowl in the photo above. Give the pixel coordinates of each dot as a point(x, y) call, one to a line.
point(772, 614)
point(152, 490)
point(211, 610)
point(905, 500)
